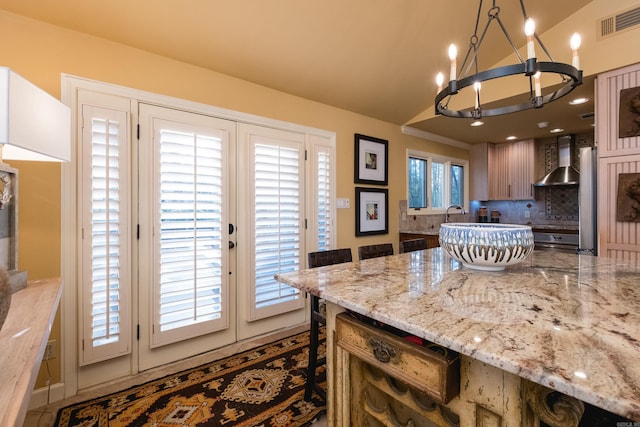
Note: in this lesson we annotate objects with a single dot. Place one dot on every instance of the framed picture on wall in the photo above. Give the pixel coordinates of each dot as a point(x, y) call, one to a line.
point(372, 212)
point(371, 161)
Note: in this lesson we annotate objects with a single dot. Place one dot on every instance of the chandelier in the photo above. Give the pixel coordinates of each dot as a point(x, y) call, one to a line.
point(531, 68)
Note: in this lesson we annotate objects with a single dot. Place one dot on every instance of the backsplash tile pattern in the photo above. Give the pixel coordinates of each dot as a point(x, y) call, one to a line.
point(561, 203)
point(410, 223)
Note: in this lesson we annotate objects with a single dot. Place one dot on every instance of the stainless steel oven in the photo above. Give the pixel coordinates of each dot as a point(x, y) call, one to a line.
point(550, 241)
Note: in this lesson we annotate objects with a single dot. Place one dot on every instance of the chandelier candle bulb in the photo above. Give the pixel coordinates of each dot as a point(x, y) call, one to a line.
point(575, 43)
point(529, 30)
point(453, 52)
point(440, 81)
point(536, 79)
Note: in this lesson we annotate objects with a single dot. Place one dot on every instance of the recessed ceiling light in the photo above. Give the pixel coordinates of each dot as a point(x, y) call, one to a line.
point(477, 123)
point(511, 138)
point(556, 130)
point(578, 101)
point(543, 125)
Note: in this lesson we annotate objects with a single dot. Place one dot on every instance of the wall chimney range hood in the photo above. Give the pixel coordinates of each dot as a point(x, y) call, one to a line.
point(564, 174)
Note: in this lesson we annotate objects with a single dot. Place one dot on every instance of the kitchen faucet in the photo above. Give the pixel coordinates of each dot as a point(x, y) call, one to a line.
point(446, 214)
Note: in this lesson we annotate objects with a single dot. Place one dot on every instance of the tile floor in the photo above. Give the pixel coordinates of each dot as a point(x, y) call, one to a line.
point(45, 416)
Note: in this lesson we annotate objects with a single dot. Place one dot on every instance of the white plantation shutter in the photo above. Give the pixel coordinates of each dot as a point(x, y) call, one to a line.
point(189, 278)
point(322, 224)
point(154, 209)
point(277, 191)
point(277, 226)
point(104, 259)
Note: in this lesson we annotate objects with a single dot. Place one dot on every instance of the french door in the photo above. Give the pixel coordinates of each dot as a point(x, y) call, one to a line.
point(185, 208)
point(271, 228)
point(186, 220)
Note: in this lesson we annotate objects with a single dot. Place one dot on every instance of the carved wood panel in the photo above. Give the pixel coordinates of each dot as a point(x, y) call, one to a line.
point(618, 239)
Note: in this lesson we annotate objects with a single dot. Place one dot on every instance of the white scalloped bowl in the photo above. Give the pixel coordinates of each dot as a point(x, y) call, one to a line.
point(489, 247)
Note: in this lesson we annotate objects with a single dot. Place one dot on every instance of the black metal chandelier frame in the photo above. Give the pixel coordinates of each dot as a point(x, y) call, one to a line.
point(571, 76)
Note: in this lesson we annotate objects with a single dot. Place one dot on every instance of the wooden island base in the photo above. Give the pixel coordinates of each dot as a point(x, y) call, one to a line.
point(568, 323)
point(382, 379)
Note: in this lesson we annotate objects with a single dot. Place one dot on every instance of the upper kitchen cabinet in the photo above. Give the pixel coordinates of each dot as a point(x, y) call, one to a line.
point(502, 171)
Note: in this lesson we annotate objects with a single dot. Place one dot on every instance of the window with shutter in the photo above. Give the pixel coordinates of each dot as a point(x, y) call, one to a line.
point(321, 227)
point(190, 206)
point(105, 235)
point(277, 221)
point(189, 243)
point(274, 203)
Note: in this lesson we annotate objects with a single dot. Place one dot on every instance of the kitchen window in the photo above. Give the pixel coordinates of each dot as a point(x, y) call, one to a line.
point(435, 182)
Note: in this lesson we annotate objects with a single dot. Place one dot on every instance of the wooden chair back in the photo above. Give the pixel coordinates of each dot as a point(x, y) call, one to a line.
point(330, 257)
point(413, 245)
point(373, 251)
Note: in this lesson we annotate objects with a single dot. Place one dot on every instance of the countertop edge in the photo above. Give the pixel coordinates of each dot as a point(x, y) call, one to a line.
point(23, 340)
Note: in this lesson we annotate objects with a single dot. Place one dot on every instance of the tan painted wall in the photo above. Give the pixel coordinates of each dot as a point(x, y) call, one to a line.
point(41, 52)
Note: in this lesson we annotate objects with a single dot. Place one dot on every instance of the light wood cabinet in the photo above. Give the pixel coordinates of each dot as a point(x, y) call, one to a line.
point(502, 171)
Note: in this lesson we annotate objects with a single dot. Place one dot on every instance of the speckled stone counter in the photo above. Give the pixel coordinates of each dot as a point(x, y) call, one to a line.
point(568, 322)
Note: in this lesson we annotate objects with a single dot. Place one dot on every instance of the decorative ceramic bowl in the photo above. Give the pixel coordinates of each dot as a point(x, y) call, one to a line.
point(487, 246)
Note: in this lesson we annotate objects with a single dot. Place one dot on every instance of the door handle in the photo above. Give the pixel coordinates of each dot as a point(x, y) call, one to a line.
point(231, 245)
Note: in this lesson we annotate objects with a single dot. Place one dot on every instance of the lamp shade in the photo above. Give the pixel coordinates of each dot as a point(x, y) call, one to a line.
point(33, 124)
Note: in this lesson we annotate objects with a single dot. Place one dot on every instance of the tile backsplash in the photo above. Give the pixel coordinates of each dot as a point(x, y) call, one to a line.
point(511, 212)
point(429, 222)
point(551, 206)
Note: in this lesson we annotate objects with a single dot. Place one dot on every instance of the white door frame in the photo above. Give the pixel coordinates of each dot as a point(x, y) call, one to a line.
point(69, 242)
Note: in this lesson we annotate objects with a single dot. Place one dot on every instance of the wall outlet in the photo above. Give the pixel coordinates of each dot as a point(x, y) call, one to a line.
point(527, 213)
point(50, 350)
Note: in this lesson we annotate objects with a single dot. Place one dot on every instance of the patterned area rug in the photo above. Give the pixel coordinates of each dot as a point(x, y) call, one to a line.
point(263, 387)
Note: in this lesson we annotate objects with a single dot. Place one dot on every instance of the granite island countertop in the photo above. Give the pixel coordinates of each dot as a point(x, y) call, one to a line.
point(568, 322)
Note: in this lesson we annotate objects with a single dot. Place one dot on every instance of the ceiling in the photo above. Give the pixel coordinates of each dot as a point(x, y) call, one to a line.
point(374, 57)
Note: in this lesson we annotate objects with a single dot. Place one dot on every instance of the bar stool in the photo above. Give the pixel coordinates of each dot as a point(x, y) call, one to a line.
point(413, 245)
point(374, 251)
point(318, 318)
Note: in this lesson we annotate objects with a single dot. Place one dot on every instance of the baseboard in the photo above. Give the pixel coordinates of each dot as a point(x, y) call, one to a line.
point(45, 395)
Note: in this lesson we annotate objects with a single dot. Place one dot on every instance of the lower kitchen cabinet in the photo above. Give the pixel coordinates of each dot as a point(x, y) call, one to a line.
point(432, 239)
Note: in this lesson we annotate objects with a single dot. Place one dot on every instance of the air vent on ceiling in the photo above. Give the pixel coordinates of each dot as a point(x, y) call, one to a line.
point(621, 21)
point(586, 116)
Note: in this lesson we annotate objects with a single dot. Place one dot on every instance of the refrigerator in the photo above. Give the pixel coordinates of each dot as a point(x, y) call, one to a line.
point(588, 202)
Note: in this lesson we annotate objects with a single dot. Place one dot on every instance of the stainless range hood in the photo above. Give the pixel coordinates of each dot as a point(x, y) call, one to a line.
point(564, 174)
